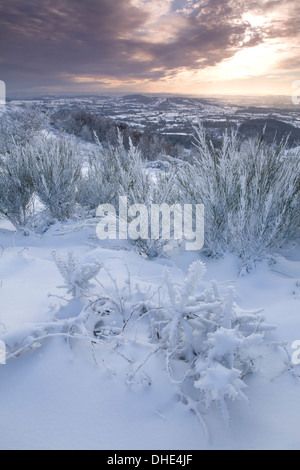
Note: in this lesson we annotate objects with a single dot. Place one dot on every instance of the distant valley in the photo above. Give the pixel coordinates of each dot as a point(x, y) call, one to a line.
point(173, 117)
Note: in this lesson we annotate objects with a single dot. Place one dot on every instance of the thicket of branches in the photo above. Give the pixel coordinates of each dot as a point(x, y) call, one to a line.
point(16, 186)
point(47, 168)
point(85, 124)
point(20, 125)
point(55, 168)
point(250, 189)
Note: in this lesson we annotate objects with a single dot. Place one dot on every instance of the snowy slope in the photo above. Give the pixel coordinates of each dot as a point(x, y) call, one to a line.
point(62, 396)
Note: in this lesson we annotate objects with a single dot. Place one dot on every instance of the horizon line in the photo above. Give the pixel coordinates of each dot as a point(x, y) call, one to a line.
point(24, 94)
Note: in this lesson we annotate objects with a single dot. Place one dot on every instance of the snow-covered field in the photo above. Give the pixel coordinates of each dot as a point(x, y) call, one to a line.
point(71, 394)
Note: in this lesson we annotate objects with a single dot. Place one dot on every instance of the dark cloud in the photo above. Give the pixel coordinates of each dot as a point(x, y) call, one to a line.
point(52, 38)
point(46, 43)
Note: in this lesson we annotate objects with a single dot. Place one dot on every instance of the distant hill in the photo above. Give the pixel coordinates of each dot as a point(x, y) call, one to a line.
point(138, 98)
point(166, 102)
point(274, 130)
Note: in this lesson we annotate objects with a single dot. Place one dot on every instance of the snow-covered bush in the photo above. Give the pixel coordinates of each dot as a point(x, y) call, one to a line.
point(47, 166)
point(16, 186)
point(250, 191)
point(204, 341)
point(77, 277)
point(210, 344)
point(56, 169)
point(20, 125)
point(145, 188)
point(107, 173)
point(162, 192)
point(114, 172)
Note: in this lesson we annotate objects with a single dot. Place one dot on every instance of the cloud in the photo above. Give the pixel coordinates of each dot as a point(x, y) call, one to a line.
point(110, 41)
point(281, 17)
point(51, 38)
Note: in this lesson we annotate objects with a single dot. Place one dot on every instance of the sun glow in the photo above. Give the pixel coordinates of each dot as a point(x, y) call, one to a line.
point(255, 20)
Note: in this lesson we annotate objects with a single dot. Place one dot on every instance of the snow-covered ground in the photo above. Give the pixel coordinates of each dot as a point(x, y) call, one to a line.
point(69, 395)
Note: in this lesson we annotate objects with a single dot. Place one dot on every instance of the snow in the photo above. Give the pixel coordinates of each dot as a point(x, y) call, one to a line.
point(107, 349)
point(61, 396)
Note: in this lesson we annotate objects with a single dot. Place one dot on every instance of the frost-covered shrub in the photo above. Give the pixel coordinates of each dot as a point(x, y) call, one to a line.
point(77, 277)
point(56, 169)
point(107, 173)
point(162, 192)
point(250, 191)
point(200, 336)
point(210, 343)
point(20, 125)
point(16, 186)
point(115, 172)
point(145, 188)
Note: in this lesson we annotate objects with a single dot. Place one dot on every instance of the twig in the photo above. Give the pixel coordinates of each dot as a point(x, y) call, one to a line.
point(144, 362)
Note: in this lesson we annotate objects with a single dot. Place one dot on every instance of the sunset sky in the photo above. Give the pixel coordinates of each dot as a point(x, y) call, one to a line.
point(158, 46)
